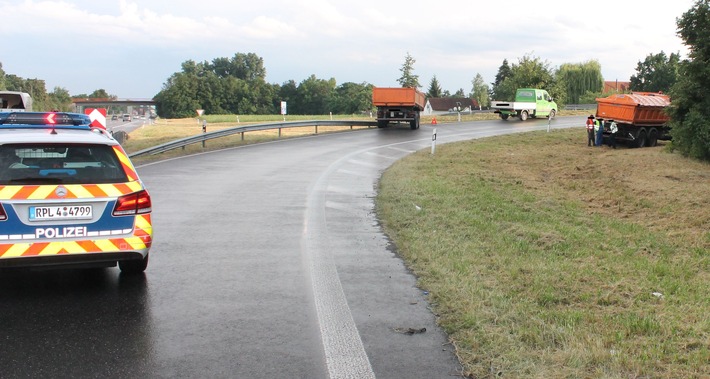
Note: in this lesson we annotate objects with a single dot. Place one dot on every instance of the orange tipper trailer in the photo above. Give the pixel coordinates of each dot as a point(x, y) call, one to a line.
point(398, 105)
point(640, 116)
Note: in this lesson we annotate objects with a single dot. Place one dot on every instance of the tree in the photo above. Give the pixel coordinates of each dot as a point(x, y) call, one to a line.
point(178, 98)
point(504, 71)
point(460, 93)
point(434, 88)
point(351, 98)
point(2, 78)
point(503, 88)
point(288, 92)
point(408, 79)
point(59, 99)
point(264, 96)
point(234, 85)
point(313, 96)
point(101, 94)
point(579, 79)
point(657, 73)
point(249, 67)
point(480, 91)
point(529, 72)
point(690, 110)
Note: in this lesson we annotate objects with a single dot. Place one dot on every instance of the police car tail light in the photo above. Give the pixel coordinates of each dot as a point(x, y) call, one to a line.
point(133, 204)
point(3, 215)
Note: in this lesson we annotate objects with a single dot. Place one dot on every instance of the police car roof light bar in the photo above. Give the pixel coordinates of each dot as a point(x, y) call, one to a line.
point(44, 120)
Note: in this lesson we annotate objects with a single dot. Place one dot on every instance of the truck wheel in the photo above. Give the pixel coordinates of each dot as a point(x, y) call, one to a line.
point(414, 124)
point(653, 137)
point(640, 138)
point(382, 123)
point(504, 116)
point(523, 115)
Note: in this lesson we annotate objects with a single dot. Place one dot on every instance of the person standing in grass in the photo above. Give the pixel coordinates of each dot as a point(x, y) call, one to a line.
point(612, 133)
point(590, 130)
point(599, 130)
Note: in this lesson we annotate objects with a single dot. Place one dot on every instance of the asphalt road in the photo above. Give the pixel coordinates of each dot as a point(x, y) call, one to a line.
point(268, 262)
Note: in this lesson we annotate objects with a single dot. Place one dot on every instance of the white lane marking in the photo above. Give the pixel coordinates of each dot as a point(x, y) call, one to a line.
point(344, 352)
point(343, 348)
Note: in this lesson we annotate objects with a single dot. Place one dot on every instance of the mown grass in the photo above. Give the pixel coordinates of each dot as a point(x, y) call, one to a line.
point(545, 258)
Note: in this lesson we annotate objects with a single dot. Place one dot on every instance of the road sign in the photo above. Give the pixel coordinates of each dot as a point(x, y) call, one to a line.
point(97, 117)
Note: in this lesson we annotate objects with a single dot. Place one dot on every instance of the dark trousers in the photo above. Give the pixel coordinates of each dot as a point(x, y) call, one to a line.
point(590, 137)
point(612, 140)
point(600, 137)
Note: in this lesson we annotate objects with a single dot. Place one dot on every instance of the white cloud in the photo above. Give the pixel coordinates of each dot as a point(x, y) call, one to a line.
point(361, 41)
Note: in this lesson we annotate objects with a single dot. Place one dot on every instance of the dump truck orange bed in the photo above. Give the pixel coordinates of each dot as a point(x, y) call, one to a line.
point(639, 108)
point(388, 97)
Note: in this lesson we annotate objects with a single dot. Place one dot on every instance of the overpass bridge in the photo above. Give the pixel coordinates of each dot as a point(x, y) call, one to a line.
point(129, 104)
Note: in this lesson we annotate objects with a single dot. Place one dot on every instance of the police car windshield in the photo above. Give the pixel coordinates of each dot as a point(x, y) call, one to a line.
point(59, 164)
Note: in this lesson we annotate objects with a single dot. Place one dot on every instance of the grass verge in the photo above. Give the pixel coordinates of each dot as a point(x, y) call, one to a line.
point(545, 258)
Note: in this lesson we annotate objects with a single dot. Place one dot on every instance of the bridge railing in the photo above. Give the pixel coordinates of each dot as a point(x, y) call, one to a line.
point(243, 129)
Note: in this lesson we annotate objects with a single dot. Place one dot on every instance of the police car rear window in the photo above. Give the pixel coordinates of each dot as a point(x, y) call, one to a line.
point(59, 164)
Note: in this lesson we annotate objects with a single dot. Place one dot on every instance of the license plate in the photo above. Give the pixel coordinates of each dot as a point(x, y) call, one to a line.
point(61, 212)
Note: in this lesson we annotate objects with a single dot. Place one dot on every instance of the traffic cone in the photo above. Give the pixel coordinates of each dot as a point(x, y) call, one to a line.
point(433, 121)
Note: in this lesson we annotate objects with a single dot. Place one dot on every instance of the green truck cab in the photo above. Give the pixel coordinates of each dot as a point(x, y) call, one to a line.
point(529, 102)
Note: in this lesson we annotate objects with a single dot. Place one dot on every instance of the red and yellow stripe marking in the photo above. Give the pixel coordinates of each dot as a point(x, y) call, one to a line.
point(142, 238)
point(74, 191)
point(127, 165)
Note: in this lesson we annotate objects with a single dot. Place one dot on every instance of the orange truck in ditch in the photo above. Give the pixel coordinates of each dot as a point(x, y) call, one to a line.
point(398, 105)
point(640, 116)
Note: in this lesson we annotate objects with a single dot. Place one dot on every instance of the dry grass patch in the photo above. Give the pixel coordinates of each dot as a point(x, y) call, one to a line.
point(164, 131)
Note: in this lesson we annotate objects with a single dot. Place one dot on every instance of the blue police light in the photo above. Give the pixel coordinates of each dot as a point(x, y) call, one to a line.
point(44, 120)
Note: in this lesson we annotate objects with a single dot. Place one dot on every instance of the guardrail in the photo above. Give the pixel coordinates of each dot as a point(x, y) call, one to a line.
point(577, 107)
point(242, 129)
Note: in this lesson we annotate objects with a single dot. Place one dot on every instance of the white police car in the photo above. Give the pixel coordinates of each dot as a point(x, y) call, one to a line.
point(69, 196)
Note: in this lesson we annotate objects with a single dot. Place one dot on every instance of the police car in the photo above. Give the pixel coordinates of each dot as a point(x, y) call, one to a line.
point(69, 196)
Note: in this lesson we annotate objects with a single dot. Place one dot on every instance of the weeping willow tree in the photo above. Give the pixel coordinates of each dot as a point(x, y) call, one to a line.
point(579, 79)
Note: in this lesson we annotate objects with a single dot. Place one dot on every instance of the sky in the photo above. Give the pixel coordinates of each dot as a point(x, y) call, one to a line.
point(131, 48)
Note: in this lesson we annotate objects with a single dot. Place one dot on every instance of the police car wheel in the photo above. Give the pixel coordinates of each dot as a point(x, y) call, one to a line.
point(135, 266)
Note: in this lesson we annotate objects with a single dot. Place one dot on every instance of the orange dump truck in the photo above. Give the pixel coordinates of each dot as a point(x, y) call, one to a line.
point(398, 105)
point(640, 116)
